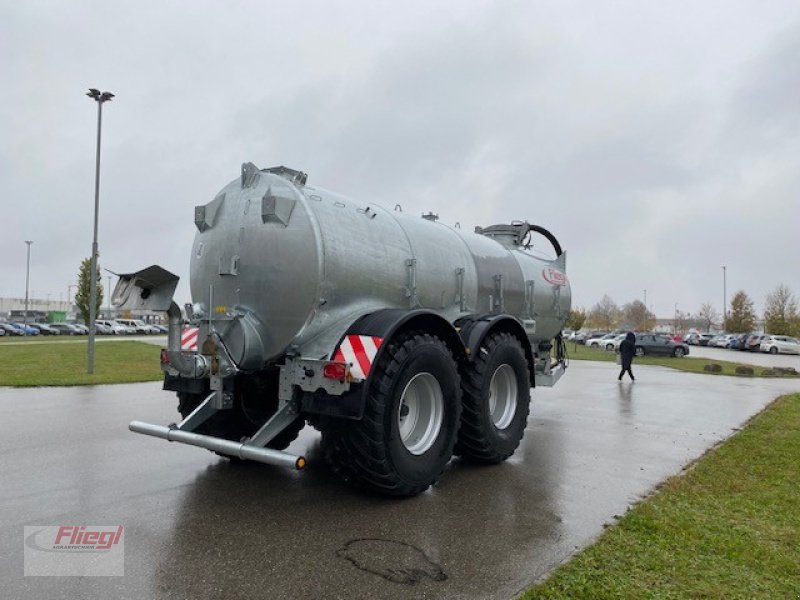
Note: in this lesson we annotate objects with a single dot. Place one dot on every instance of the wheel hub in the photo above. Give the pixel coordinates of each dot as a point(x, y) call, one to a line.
point(503, 396)
point(420, 413)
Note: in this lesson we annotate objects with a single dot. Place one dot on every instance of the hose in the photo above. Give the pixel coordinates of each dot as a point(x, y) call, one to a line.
point(527, 228)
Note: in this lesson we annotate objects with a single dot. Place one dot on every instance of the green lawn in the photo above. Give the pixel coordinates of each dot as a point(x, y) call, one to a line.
point(688, 363)
point(40, 339)
point(58, 363)
point(729, 527)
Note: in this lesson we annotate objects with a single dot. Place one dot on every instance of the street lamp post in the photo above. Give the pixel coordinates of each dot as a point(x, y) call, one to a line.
point(27, 281)
point(724, 298)
point(100, 98)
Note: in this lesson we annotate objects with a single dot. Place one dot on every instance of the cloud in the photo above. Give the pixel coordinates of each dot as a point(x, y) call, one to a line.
point(651, 140)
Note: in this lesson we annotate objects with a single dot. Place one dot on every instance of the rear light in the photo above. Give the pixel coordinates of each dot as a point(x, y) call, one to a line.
point(335, 370)
point(164, 357)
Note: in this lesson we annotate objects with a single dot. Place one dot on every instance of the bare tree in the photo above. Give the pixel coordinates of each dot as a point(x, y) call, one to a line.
point(780, 313)
point(605, 314)
point(708, 315)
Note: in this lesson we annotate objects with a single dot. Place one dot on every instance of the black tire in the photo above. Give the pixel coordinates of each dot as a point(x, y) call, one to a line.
point(479, 439)
point(773, 350)
point(609, 347)
point(371, 452)
point(254, 402)
point(678, 352)
point(639, 351)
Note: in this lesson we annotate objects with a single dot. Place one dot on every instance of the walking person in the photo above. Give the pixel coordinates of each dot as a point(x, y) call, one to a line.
point(627, 349)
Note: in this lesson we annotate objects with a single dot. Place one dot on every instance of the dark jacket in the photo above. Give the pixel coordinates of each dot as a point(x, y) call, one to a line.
point(627, 349)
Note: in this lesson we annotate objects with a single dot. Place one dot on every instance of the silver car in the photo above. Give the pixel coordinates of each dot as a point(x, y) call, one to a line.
point(780, 344)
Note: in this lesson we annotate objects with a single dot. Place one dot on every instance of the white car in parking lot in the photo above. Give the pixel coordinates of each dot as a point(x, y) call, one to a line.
point(137, 325)
point(780, 344)
point(600, 342)
point(117, 328)
point(616, 342)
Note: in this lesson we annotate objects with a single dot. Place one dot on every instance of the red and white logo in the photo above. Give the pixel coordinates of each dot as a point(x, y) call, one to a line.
point(79, 550)
point(554, 276)
point(359, 351)
point(189, 339)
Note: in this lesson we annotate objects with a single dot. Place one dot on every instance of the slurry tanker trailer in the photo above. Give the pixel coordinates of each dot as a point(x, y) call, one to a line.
point(403, 340)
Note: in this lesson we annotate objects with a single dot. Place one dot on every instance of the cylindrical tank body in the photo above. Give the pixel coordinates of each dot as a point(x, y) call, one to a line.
point(280, 265)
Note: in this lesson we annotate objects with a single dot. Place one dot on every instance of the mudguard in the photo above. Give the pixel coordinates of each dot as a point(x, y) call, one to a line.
point(363, 345)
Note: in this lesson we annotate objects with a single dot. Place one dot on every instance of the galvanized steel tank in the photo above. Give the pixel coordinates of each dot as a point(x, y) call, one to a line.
point(281, 265)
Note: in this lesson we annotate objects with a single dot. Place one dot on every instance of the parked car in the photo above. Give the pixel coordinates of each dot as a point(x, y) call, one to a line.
point(720, 341)
point(81, 328)
point(161, 329)
point(9, 329)
point(101, 329)
point(599, 340)
point(614, 343)
point(705, 339)
point(727, 341)
point(115, 328)
point(139, 327)
point(45, 329)
point(655, 344)
point(692, 339)
point(26, 330)
point(753, 343)
point(780, 344)
point(741, 341)
point(65, 328)
point(580, 337)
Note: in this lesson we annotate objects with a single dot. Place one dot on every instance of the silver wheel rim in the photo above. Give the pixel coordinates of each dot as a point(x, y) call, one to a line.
point(503, 396)
point(420, 413)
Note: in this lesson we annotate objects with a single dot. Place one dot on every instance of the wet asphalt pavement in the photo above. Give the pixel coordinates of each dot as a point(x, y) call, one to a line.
point(197, 526)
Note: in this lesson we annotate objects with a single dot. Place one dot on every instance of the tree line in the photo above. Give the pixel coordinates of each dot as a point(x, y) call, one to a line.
point(781, 315)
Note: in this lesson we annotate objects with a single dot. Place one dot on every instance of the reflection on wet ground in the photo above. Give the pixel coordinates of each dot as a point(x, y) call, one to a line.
point(198, 526)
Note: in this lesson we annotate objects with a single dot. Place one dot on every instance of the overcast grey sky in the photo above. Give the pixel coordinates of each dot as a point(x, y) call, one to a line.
point(657, 140)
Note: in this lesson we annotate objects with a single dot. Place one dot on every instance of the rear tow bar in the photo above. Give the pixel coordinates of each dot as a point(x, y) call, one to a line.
point(238, 449)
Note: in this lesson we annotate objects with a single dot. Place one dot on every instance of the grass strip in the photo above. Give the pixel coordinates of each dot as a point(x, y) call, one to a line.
point(687, 363)
point(59, 364)
point(16, 340)
point(728, 527)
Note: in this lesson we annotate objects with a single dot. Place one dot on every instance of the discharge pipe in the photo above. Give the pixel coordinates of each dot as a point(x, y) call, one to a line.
point(194, 365)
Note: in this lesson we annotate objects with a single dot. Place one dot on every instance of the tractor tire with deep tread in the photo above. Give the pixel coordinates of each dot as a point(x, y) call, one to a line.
point(380, 452)
point(490, 436)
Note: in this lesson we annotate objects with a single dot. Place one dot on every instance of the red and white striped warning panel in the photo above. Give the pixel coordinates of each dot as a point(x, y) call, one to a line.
point(189, 339)
point(359, 351)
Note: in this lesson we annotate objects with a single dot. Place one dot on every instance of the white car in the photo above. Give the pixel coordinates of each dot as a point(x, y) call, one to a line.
point(137, 325)
point(782, 344)
point(614, 344)
point(601, 342)
point(722, 341)
point(117, 328)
